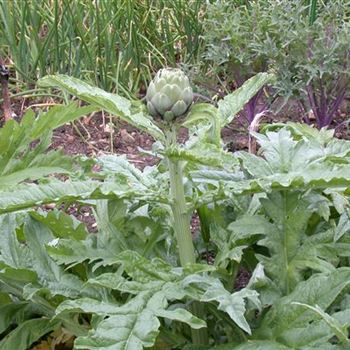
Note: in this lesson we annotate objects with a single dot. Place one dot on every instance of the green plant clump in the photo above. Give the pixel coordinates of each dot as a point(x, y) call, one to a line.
point(230, 30)
point(143, 281)
point(115, 44)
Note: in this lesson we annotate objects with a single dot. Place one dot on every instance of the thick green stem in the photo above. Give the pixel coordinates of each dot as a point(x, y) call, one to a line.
point(285, 246)
point(181, 216)
point(199, 336)
point(183, 234)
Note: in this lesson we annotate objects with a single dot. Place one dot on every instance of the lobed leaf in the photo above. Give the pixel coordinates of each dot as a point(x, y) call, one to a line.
point(31, 195)
point(20, 159)
point(284, 317)
point(112, 103)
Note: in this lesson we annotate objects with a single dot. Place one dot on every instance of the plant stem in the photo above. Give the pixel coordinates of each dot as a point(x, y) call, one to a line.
point(199, 336)
point(286, 280)
point(183, 231)
point(312, 11)
point(181, 215)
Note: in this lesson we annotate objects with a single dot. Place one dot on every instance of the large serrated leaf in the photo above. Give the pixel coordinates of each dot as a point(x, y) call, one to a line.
point(61, 224)
point(203, 122)
point(112, 103)
point(57, 116)
point(283, 231)
point(204, 154)
point(12, 253)
point(31, 195)
point(154, 283)
point(52, 277)
point(285, 163)
point(289, 213)
point(131, 326)
point(111, 165)
point(20, 159)
point(231, 303)
point(321, 289)
point(339, 330)
point(88, 305)
point(71, 252)
point(315, 334)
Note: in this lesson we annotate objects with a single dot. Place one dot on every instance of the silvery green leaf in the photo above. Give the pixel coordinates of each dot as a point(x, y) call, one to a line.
point(340, 202)
point(71, 252)
point(20, 160)
point(31, 195)
point(285, 163)
point(12, 252)
point(112, 103)
point(234, 304)
point(285, 318)
point(118, 164)
point(27, 333)
point(232, 103)
point(133, 325)
point(51, 277)
point(287, 216)
point(182, 315)
point(203, 154)
point(203, 121)
point(87, 305)
point(339, 330)
point(61, 224)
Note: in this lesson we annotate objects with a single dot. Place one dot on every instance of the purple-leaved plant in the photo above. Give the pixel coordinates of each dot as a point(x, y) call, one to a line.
point(311, 58)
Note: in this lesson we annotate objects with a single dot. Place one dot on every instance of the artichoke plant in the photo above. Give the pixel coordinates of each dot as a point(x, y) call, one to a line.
point(169, 94)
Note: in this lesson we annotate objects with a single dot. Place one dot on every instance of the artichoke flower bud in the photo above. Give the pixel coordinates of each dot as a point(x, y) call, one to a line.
point(169, 95)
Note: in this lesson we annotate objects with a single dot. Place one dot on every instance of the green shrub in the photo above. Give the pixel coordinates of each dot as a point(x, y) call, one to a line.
point(310, 57)
point(230, 30)
point(311, 60)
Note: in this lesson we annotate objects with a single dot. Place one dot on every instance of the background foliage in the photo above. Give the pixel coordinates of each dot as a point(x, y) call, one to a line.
point(304, 42)
point(116, 44)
